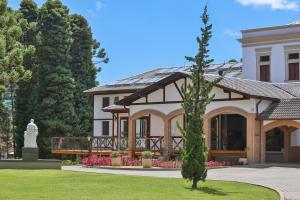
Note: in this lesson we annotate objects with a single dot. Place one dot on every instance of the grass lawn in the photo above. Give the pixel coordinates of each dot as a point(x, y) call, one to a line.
point(66, 185)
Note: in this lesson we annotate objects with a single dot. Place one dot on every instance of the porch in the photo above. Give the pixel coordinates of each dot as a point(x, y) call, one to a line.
point(104, 145)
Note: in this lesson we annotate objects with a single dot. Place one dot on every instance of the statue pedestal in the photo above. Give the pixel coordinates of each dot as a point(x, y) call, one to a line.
point(30, 154)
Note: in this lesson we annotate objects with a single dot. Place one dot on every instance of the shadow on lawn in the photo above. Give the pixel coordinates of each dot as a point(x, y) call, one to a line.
point(209, 190)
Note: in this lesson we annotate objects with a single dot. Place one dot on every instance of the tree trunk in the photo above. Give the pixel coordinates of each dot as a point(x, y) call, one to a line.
point(195, 181)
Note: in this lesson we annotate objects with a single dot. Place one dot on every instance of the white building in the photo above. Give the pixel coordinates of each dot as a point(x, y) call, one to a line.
point(255, 113)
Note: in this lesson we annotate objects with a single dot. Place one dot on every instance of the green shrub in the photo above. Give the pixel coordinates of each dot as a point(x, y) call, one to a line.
point(115, 154)
point(147, 154)
point(70, 162)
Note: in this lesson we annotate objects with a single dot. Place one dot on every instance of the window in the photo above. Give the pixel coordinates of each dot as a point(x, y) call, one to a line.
point(265, 73)
point(124, 126)
point(293, 71)
point(264, 59)
point(116, 99)
point(293, 56)
point(105, 102)
point(293, 66)
point(105, 128)
point(264, 68)
point(142, 126)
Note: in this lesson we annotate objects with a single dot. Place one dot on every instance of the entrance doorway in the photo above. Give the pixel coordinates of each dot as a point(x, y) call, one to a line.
point(228, 137)
point(228, 132)
point(275, 145)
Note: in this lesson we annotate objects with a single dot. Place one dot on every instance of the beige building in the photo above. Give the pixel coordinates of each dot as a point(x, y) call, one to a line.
point(255, 113)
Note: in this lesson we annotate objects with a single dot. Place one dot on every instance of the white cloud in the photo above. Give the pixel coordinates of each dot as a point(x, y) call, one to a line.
point(273, 4)
point(99, 5)
point(232, 33)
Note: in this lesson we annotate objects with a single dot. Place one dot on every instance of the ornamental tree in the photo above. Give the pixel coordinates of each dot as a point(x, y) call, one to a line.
point(83, 69)
point(11, 49)
point(24, 104)
point(55, 112)
point(197, 97)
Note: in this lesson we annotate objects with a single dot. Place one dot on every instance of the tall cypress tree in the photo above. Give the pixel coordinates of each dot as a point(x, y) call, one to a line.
point(197, 97)
point(56, 113)
point(29, 12)
point(83, 49)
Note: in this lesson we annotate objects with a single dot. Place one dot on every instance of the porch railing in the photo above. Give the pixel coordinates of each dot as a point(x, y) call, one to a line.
point(99, 143)
point(96, 143)
point(121, 144)
point(152, 143)
point(70, 143)
point(177, 143)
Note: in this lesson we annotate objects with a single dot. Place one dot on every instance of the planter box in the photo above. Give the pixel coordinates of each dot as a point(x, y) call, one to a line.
point(147, 163)
point(244, 161)
point(116, 161)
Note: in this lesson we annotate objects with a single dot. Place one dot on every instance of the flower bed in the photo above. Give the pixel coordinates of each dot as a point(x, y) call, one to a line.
point(126, 161)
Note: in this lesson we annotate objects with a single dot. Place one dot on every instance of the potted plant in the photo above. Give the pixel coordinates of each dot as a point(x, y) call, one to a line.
point(147, 159)
point(243, 160)
point(116, 159)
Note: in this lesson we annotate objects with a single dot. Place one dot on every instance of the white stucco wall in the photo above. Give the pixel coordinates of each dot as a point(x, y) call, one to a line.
point(247, 105)
point(98, 127)
point(156, 96)
point(172, 93)
point(278, 61)
point(295, 138)
point(156, 126)
point(164, 108)
point(99, 115)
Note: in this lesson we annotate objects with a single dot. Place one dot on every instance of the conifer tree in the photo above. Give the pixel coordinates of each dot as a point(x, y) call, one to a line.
point(83, 49)
point(197, 97)
point(12, 51)
point(55, 113)
point(29, 12)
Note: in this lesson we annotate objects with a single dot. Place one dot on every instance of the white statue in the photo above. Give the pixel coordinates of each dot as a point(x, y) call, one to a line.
point(30, 135)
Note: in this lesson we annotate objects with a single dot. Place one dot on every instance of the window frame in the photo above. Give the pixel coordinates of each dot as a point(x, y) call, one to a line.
point(267, 51)
point(103, 102)
point(292, 61)
point(108, 124)
point(116, 99)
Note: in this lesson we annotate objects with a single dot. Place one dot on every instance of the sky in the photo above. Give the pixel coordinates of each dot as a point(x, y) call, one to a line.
point(141, 35)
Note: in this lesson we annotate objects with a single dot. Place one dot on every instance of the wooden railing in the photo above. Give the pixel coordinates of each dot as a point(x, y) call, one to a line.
point(100, 143)
point(97, 143)
point(152, 143)
point(177, 143)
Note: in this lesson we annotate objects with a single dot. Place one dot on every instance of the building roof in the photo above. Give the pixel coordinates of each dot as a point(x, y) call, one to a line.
point(137, 82)
point(283, 109)
point(292, 88)
point(253, 88)
point(115, 109)
point(245, 87)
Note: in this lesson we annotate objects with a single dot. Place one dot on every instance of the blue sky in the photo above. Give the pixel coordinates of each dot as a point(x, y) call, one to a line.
point(141, 35)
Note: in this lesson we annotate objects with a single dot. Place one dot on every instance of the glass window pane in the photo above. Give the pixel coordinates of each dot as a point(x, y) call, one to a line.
point(264, 58)
point(293, 56)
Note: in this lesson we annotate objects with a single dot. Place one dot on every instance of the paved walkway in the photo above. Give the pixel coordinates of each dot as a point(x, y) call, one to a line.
point(285, 178)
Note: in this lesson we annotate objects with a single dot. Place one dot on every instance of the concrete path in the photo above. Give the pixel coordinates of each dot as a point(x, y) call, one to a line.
point(285, 179)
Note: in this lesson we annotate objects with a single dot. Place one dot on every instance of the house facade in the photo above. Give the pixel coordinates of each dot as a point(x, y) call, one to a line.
point(255, 112)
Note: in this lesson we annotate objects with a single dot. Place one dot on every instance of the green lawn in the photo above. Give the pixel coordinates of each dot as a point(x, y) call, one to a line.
point(56, 185)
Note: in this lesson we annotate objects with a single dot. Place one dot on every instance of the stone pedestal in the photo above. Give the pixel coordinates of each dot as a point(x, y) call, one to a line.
point(30, 154)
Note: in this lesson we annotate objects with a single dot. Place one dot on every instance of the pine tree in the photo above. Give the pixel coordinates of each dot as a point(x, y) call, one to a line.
point(24, 112)
point(12, 51)
point(194, 154)
point(56, 113)
point(83, 70)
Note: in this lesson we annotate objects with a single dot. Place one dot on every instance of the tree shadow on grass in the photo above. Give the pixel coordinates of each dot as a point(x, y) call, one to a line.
point(209, 190)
